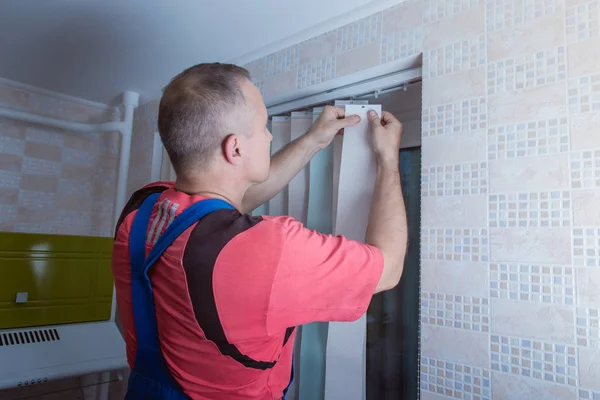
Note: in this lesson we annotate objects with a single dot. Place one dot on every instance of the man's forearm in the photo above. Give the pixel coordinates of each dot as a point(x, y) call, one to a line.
point(387, 228)
point(285, 164)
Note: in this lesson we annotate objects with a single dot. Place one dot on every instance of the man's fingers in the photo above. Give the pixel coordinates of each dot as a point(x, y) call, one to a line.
point(389, 118)
point(374, 118)
point(337, 112)
point(348, 121)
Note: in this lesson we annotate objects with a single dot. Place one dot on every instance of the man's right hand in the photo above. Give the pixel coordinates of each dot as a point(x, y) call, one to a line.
point(387, 133)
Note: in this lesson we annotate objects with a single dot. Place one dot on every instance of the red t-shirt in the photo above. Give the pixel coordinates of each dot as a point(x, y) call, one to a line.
point(230, 289)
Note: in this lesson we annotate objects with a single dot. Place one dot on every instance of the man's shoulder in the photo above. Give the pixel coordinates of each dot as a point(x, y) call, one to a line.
point(138, 197)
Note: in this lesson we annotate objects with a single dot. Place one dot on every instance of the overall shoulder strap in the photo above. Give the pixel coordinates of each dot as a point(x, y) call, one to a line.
point(141, 289)
point(137, 236)
point(183, 221)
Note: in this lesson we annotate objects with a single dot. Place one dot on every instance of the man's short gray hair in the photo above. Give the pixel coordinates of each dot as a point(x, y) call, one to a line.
point(193, 112)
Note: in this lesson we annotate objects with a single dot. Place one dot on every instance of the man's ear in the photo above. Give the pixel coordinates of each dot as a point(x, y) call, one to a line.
point(232, 149)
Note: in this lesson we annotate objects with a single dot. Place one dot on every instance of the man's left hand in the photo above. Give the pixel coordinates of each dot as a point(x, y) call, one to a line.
point(331, 122)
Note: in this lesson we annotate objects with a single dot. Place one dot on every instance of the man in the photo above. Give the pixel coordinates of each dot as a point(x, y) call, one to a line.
point(227, 293)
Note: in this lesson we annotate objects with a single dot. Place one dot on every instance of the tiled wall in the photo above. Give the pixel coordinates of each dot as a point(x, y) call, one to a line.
point(54, 181)
point(510, 184)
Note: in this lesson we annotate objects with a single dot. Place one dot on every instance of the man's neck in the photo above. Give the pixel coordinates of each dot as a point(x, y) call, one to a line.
point(213, 189)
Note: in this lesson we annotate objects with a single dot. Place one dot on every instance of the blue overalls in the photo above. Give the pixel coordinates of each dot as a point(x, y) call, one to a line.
point(150, 378)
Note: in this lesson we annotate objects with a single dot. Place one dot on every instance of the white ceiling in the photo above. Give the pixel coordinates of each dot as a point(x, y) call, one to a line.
point(95, 49)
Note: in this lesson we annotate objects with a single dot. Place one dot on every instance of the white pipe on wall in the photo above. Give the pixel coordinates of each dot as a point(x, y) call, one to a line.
point(130, 102)
point(59, 124)
point(125, 127)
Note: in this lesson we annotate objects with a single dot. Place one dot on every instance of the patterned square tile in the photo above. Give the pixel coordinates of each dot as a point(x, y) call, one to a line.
point(530, 210)
point(588, 327)
point(11, 145)
point(583, 21)
point(282, 61)
point(77, 157)
point(528, 139)
point(39, 166)
point(454, 379)
point(8, 213)
point(46, 136)
point(585, 169)
point(454, 244)
point(507, 13)
point(316, 72)
point(528, 70)
point(459, 56)
point(537, 359)
point(435, 10)
point(535, 283)
point(459, 179)
point(454, 311)
point(589, 394)
point(586, 247)
point(359, 33)
point(584, 94)
point(401, 44)
point(454, 118)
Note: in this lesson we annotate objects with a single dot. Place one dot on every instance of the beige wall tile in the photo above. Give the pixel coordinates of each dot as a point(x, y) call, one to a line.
point(405, 16)
point(585, 131)
point(37, 215)
point(13, 129)
point(315, 50)
point(455, 277)
point(542, 102)
point(454, 149)
point(454, 87)
point(588, 287)
point(451, 211)
point(512, 387)
point(533, 245)
point(533, 174)
point(15, 98)
point(86, 114)
point(589, 368)
point(457, 27)
point(462, 346)
point(9, 195)
point(280, 84)
point(74, 203)
point(584, 57)
point(43, 151)
point(76, 172)
point(38, 183)
point(358, 59)
point(542, 33)
point(586, 207)
point(10, 162)
point(533, 320)
point(80, 142)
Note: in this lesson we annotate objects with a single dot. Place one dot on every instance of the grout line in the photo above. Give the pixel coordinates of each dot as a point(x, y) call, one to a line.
point(487, 203)
point(572, 226)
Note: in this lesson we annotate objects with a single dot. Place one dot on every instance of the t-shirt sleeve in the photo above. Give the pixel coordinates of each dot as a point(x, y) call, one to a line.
point(320, 278)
